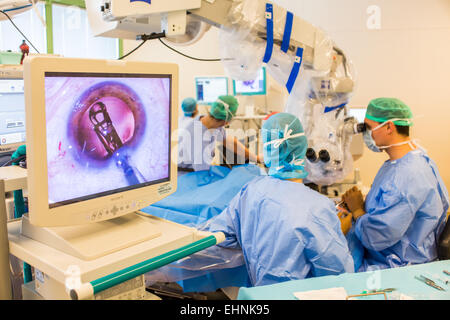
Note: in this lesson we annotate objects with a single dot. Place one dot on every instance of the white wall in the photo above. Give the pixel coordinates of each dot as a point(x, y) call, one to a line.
point(407, 58)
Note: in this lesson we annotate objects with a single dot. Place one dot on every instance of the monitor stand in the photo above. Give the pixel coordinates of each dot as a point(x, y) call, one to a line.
point(94, 240)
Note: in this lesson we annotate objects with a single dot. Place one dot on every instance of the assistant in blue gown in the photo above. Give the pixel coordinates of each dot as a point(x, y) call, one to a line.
point(405, 213)
point(286, 231)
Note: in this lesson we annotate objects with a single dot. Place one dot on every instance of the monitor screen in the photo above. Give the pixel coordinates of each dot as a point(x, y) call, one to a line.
point(12, 112)
point(106, 133)
point(252, 87)
point(210, 88)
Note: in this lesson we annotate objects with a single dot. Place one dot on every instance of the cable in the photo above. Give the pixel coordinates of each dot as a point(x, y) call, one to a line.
point(143, 41)
point(19, 30)
point(184, 55)
point(18, 159)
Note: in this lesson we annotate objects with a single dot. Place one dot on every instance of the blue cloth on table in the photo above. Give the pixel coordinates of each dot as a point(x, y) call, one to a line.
point(200, 196)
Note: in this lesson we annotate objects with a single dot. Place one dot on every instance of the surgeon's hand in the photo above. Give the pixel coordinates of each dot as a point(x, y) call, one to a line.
point(346, 221)
point(354, 200)
point(260, 158)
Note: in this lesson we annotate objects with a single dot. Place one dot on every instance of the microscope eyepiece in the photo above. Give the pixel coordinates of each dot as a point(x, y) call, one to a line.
point(324, 156)
point(311, 155)
point(360, 127)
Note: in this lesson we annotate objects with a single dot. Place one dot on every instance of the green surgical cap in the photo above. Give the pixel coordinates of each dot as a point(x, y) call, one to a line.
point(226, 111)
point(284, 146)
point(188, 106)
point(385, 109)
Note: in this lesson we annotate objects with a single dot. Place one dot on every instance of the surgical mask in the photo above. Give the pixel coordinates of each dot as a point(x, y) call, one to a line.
point(370, 143)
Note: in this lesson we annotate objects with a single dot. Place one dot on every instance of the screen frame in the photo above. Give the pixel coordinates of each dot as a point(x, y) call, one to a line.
point(209, 77)
point(263, 93)
point(87, 211)
point(9, 148)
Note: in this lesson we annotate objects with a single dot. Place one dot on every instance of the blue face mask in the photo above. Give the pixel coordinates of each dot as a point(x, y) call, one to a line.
point(370, 143)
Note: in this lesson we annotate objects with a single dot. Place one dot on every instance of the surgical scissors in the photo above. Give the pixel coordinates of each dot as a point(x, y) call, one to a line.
point(429, 282)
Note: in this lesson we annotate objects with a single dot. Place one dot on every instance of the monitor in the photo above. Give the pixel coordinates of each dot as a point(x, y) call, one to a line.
point(12, 109)
point(251, 87)
point(99, 138)
point(210, 88)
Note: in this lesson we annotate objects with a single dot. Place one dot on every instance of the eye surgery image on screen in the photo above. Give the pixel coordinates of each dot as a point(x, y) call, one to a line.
point(106, 133)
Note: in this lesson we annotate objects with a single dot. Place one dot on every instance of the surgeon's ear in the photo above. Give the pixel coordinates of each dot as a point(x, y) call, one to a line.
point(390, 127)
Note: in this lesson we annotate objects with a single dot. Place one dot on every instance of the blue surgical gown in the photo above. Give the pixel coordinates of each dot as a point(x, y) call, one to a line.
point(196, 145)
point(405, 213)
point(286, 232)
point(183, 121)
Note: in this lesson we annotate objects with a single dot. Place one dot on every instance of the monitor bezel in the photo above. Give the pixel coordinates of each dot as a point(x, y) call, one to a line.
point(252, 93)
point(210, 77)
point(77, 213)
point(9, 148)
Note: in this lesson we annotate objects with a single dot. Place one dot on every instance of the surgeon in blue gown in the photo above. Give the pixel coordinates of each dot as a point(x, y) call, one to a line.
point(198, 138)
point(405, 211)
point(286, 230)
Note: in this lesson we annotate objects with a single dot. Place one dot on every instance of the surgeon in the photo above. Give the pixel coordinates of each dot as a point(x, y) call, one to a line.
point(286, 230)
point(197, 140)
point(190, 110)
point(404, 213)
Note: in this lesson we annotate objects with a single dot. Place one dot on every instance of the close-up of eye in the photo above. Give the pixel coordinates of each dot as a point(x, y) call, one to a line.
point(108, 117)
point(101, 127)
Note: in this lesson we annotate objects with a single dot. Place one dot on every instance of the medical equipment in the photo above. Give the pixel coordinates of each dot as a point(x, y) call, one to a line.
point(382, 290)
point(366, 295)
point(315, 71)
point(12, 112)
point(84, 126)
point(208, 89)
point(437, 277)
point(258, 86)
point(94, 118)
point(429, 282)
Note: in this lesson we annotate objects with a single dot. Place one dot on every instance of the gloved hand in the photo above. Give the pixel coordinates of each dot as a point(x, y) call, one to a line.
point(354, 200)
point(346, 221)
point(260, 158)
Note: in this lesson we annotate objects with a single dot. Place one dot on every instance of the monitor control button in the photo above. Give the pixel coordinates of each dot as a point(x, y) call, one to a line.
point(114, 210)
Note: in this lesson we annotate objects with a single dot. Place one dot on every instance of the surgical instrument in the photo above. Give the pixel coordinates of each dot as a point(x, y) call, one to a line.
point(429, 282)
